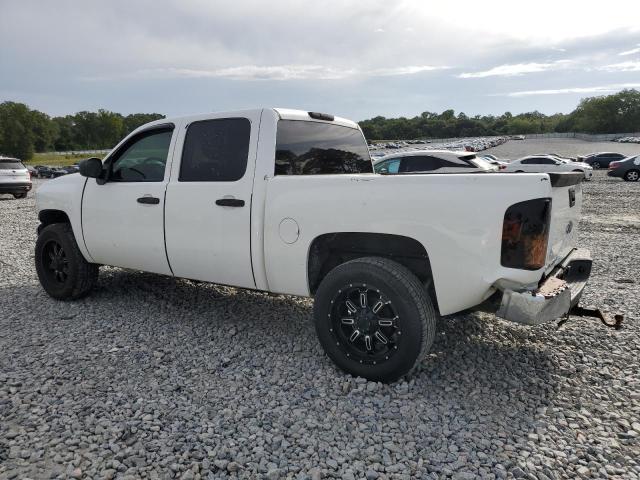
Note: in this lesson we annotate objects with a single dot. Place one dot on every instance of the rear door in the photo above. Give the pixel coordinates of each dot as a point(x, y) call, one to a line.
point(208, 209)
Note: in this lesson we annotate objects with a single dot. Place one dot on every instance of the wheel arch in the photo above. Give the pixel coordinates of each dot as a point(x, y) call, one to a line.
point(50, 216)
point(329, 250)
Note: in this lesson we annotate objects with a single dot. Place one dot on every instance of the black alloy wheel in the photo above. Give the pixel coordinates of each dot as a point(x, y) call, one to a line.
point(55, 261)
point(365, 324)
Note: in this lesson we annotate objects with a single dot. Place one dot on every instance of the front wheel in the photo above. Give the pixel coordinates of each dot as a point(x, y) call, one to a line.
point(62, 270)
point(374, 318)
point(632, 176)
point(596, 165)
point(20, 195)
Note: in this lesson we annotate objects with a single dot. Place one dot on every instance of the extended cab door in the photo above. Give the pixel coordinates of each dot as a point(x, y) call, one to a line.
point(208, 210)
point(122, 218)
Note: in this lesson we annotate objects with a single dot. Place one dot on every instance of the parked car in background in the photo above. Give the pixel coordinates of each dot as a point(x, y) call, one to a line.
point(15, 178)
point(547, 164)
point(32, 171)
point(58, 172)
point(627, 169)
point(432, 161)
point(71, 168)
point(43, 171)
point(493, 160)
point(517, 137)
point(602, 159)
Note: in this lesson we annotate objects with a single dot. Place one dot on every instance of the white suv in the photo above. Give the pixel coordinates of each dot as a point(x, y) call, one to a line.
point(14, 177)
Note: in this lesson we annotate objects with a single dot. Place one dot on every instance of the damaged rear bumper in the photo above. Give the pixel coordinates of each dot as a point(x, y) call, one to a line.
point(553, 299)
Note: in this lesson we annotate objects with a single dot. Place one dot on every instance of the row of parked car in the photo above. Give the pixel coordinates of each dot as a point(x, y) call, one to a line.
point(15, 177)
point(42, 171)
point(627, 140)
point(452, 161)
point(474, 144)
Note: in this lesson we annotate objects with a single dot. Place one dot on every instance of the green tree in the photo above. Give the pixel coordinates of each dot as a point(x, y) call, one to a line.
point(16, 134)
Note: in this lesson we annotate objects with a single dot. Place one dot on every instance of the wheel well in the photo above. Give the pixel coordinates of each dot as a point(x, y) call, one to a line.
point(47, 217)
point(332, 249)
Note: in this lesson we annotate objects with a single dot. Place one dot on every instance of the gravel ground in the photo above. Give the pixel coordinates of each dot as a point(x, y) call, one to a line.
point(152, 377)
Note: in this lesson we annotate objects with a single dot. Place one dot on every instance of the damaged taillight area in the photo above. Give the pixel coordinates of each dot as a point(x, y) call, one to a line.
point(525, 234)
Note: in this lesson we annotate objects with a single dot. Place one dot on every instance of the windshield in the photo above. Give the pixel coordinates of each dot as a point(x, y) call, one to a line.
point(11, 165)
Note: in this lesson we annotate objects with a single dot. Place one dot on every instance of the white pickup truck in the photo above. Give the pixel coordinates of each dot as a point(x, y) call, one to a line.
point(286, 201)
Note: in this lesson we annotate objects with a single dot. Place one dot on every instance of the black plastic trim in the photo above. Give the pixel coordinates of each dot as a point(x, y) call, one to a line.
point(321, 116)
point(565, 179)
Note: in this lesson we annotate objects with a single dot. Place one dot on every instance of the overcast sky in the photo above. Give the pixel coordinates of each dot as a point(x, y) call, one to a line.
point(352, 58)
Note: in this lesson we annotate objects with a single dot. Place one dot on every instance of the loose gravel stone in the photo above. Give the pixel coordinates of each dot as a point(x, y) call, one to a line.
point(153, 377)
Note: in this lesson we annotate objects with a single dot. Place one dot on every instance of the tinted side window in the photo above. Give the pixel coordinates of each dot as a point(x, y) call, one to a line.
point(547, 161)
point(315, 148)
point(390, 166)
point(143, 158)
point(215, 150)
point(428, 163)
point(529, 161)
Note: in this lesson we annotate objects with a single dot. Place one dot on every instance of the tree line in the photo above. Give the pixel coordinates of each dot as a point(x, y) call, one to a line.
point(24, 131)
point(617, 113)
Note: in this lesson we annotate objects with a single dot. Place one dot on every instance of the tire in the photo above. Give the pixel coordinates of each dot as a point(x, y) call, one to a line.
point(519, 171)
point(20, 195)
point(71, 277)
point(596, 165)
point(407, 315)
point(632, 175)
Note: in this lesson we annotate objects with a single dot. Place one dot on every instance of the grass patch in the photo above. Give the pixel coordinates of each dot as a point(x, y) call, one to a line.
point(53, 160)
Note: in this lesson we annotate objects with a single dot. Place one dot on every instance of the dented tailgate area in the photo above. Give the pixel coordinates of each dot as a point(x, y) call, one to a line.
point(566, 269)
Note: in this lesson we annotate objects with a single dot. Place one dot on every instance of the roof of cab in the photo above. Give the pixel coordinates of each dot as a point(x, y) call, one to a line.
point(283, 113)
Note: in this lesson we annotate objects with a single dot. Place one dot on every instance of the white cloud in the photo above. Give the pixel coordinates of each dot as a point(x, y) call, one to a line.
point(633, 51)
point(409, 70)
point(622, 67)
point(516, 69)
point(269, 72)
point(562, 91)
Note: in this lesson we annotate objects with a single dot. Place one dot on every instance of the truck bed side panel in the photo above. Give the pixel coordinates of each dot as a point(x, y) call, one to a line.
point(457, 218)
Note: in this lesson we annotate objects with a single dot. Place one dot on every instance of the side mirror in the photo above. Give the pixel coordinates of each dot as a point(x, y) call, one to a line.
point(383, 170)
point(91, 167)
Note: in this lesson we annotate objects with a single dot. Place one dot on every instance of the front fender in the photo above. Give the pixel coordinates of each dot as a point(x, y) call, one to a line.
point(64, 194)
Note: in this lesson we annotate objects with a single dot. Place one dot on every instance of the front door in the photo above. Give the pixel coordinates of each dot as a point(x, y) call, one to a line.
point(208, 210)
point(122, 219)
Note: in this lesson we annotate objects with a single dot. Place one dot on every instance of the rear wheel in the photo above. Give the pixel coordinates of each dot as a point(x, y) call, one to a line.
point(596, 165)
point(62, 270)
point(20, 195)
point(519, 171)
point(374, 318)
point(632, 175)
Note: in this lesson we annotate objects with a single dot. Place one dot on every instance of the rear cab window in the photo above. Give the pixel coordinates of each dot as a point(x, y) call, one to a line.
point(318, 148)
